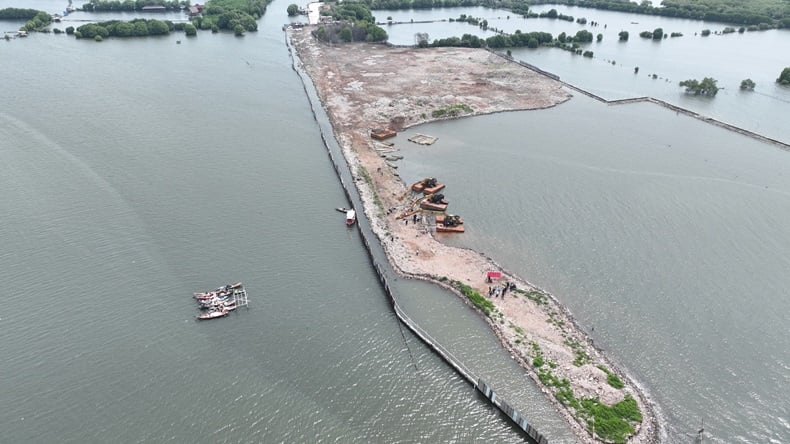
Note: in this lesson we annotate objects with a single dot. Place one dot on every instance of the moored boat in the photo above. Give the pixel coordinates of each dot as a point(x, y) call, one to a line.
point(216, 301)
point(213, 313)
point(220, 292)
point(351, 217)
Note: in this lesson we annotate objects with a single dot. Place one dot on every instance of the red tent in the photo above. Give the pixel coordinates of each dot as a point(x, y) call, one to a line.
point(494, 275)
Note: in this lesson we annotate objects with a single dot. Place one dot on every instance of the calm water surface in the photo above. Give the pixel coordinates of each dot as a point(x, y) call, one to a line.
point(138, 171)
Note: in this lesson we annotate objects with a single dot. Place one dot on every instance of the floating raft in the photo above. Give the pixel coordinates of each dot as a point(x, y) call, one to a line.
point(422, 139)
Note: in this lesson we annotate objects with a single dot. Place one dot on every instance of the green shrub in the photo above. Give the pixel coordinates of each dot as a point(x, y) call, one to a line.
point(612, 423)
point(614, 381)
point(477, 299)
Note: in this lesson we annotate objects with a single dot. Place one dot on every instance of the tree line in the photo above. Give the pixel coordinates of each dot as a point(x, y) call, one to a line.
point(773, 12)
point(36, 20)
point(120, 28)
point(17, 14)
point(770, 13)
point(132, 5)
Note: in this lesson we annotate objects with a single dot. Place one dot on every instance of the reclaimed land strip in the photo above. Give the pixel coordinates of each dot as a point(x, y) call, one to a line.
point(375, 250)
point(366, 86)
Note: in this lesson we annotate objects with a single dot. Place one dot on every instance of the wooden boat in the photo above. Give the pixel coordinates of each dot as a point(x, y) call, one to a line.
point(351, 217)
point(219, 292)
point(449, 224)
point(216, 301)
point(382, 133)
point(213, 314)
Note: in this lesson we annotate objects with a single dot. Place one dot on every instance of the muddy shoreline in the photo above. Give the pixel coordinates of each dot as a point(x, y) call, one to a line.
point(365, 86)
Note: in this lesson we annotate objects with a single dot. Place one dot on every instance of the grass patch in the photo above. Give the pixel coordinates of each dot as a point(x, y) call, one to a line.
point(611, 378)
point(565, 396)
point(534, 296)
point(452, 110)
point(614, 381)
point(581, 356)
point(477, 299)
point(611, 423)
point(366, 177)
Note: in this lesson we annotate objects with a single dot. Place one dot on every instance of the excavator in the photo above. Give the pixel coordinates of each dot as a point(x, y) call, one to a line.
point(452, 220)
point(427, 185)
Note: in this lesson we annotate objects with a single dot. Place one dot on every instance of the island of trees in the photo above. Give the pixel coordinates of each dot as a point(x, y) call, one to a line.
point(353, 22)
point(784, 77)
point(120, 28)
point(706, 87)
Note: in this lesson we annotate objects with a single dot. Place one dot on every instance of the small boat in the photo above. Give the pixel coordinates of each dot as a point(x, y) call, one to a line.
point(342, 209)
point(220, 292)
point(213, 313)
point(213, 294)
point(351, 217)
point(216, 301)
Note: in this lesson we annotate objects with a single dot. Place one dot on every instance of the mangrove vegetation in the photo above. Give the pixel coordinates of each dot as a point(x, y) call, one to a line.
point(768, 13)
point(706, 87)
point(784, 77)
point(132, 5)
point(353, 22)
point(36, 20)
point(120, 28)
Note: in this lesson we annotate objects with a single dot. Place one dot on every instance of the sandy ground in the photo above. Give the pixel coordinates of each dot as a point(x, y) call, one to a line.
point(366, 86)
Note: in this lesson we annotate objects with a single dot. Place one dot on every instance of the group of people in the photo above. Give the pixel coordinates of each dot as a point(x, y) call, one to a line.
point(500, 291)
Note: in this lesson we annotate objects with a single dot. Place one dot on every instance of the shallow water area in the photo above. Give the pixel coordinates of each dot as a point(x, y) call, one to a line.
point(611, 72)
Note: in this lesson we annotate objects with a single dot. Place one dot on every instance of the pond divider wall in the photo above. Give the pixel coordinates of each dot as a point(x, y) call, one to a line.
point(677, 109)
point(379, 259)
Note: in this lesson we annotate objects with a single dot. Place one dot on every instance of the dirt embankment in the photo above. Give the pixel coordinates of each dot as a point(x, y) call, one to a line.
point(366, 86)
